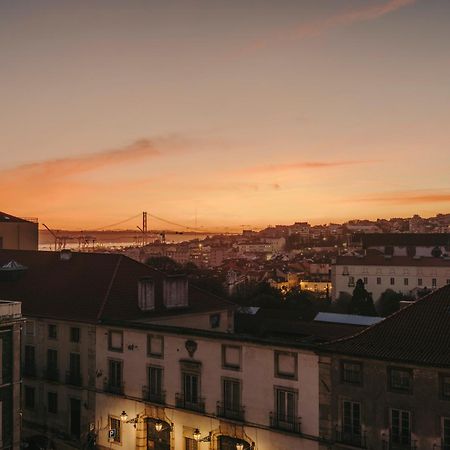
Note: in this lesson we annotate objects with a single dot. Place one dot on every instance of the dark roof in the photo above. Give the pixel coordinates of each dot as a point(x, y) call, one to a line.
point(89, 287)
point(4, 217)
point(418, 334)
point(403, 239)
point(382, 260)
point(270, 323)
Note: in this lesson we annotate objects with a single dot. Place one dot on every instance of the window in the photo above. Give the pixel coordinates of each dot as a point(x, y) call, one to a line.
point(29, 368)
point(29, 397)
point(74, 374)
point(115, 341)
point(52, 365)
point(445, 387)
point(378, 280)
point(115, 427)
point(155, 383)
point(231, 357)
point(52, 331)
point(191, 388)
point(351, 419)
point(74, 334)
point(420, 282)
point(400, 380)
point(400, 427)
point(448, 281)
point(146, 294)
point(433, 282)
point(286, 405)
point(445, 433)
point(214, 320)
point(231, 394)
point(52, 402)
point(345, 271)
point(285, 365)
point(392, 281)
point(30, 328)
point(365, 280)
point(351, 281)
point(155, 346)
point(405, 281)
point(351, 372)
point(115, 375)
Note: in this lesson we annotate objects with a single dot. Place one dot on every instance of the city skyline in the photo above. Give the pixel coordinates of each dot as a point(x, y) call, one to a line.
point(224, 114)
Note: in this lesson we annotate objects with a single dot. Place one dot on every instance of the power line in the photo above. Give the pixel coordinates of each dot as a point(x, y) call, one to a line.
point(117, 223)
point(177, 224)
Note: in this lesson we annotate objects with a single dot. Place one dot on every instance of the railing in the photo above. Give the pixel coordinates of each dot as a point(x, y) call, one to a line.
point(442, 446)
point(286, 423)
point(389, 445)
point(51, 374)
point(344, 436)
point(153, 397)
point(182, 402)
point(113, 388)
point(74, 378)
point(29, 370)
point(233, 413)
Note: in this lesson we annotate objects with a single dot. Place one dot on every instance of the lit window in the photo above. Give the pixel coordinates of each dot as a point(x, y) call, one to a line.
point(115, 430)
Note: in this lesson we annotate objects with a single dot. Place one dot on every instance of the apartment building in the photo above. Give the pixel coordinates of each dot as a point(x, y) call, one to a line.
point(18, 233)
point(175, 388)
point(380, 272)
point(388, 387)
point(64, 297)
point(10, 376)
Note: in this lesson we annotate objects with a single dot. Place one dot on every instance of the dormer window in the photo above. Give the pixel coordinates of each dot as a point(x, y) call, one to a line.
point(175, 292)
point(146, 294)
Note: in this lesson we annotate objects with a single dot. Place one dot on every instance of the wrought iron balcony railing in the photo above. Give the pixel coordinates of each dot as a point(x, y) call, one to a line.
point(194, 404)
point(230, 412)
point(286, 423)
point(74, 378)
point(153, 397)
point(113, 388)
point(354, 438)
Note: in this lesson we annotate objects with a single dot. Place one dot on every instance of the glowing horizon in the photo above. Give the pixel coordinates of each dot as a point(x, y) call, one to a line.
point(224, 115)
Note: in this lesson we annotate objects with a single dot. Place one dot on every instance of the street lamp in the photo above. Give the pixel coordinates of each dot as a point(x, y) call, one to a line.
point(123, 417)
point(197, 435)
point(158, 426)
point(239, 446)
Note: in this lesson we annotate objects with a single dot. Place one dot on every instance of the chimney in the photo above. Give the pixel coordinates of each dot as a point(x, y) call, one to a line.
point(146, 294)
point(176, 291)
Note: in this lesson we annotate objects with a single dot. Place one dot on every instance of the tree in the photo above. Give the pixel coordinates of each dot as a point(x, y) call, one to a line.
point(342, 304)
point(389, 302)
point(362, 301)
point(164, 263)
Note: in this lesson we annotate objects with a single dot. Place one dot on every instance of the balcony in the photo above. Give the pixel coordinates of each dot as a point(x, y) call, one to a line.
point(442, 446)
point(285, 423)
point(153, 397)
point(74, 378)
point(398, 446)
point(29, 370)
point(182, 402)
point(113, 388)
point(232, 413)
point(51, 374)
point(349, 437)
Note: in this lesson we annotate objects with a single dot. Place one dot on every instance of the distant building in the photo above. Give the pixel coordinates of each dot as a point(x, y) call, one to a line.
point(17, 233)
point(10, 374)
point(381, 272)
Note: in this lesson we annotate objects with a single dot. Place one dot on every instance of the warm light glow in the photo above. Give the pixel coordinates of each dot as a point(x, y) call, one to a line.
point(197, 434)
point(124, 416)
point(158, 426)
point(240, 446)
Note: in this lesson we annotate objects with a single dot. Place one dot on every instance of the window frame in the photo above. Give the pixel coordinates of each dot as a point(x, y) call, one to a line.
point(110, 347)
point(442, 383)
point(49, 334)
point(397, 389)
point(149, 346)
point(55, 394)
point(224, 362)
point(118, 439)
point(343, 371)
point(277, 372)
point(71, 335)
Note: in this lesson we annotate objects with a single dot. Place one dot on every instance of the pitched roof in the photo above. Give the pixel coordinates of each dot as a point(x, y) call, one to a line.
point(419, 334)
point(4, 217)
point(398, 261)
point(89, 287)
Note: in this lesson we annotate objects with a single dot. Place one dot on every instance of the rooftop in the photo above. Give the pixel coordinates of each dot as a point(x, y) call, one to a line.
point(417, 334)
point(384, 260)
point(4, 217)
point(403, 239)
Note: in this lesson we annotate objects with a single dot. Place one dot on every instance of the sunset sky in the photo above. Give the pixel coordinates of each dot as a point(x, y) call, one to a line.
point(237, 112)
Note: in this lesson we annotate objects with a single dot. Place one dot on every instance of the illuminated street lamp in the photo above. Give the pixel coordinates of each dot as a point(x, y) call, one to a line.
point(197, 435)
point(158, 426)
point(123, 417)
point(239, 446)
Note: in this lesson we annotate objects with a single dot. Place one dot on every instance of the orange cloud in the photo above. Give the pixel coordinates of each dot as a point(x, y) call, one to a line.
point(413, 197)
point(322, 26)
point(300, 166)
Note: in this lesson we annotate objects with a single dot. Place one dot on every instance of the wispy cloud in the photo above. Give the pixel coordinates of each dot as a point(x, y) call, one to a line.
point(412, 197)
point(322, 26)
point(305, 165)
